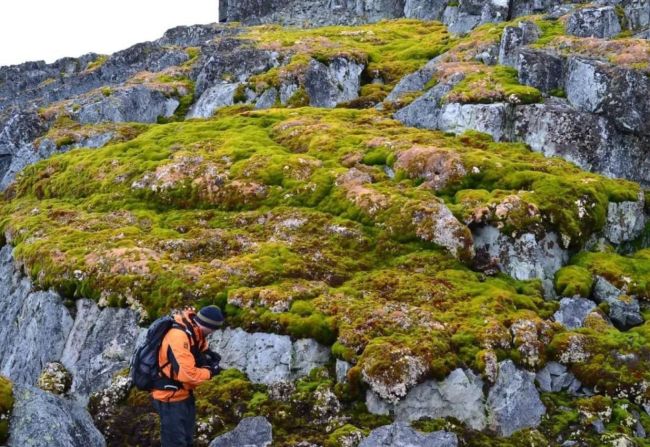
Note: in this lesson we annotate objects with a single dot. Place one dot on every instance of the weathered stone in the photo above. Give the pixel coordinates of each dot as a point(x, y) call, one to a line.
point(555, 377)
point(624, 310)
point(19, 130)
point(192, 36)
point(513, 401)
point(267, 358)
point(594, 22)
point(492, 119)
point(100, 344)
point(573, 311)
point(329, 85)
point(460, 396)
point(513, 38)
point(625, 220)
point(401, 434)
point(414, 82)
point(267, 99)
point(540, 69)
point(554, 128)
point(526, 257)
point(425, 111)
point(220, 95)
point(528, 7)
point(41, 419)
point(342, 368)
point(133, 104)
point(424, 9)
point(250, 432)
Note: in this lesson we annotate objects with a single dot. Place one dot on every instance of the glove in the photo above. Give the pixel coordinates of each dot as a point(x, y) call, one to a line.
point(214, 370)
point(211, 357)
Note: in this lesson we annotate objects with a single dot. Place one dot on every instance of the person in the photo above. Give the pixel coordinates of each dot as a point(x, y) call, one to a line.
point(185, 362)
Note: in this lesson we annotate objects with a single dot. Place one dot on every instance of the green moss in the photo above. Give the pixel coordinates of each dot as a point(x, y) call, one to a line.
point(6, 406)
point(94, 65)
point(573, 280)
point(493, 84)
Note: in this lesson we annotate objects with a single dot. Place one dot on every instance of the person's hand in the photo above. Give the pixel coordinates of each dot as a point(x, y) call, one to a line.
point(214, 370)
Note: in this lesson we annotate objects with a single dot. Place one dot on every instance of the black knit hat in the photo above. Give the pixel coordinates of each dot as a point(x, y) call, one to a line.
point(210, 316)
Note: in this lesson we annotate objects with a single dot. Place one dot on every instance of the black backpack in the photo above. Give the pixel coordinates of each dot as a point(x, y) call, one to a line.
point(145, 371)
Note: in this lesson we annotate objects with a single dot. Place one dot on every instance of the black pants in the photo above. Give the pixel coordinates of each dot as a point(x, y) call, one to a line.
point(177, 420)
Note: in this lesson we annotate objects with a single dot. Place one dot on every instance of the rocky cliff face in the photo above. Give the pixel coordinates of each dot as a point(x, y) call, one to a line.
point(429, 227)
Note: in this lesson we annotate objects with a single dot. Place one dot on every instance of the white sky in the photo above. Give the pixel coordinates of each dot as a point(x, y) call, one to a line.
point(50, 29)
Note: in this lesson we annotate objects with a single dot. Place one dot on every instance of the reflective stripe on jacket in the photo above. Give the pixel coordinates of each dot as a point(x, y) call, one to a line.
point(178, 361)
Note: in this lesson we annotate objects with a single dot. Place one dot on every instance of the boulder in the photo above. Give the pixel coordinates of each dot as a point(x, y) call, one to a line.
point(401, 434)
point(267, 99)
point(41, 419)
point(413, 82)
point(492, 119)
point(540, 69)
point(424, 9)
point(625, 220)
point(267, 358)
point(214, 98)
point(229, 60)
point(329, 85)
point(250, 432)
point(573, 311)
point(624, 310)
point(524, 257)
point(513, 402)
point(594, 22)
point(616, 92)
point(556, 377)
point(637, 14)
point(101, 343)
point(25, 156)
point(528, 7)
point(459, 22)
point(424, 112)
point(20, 129)
point(131, 104)
point(592, 142)
point(515, 37)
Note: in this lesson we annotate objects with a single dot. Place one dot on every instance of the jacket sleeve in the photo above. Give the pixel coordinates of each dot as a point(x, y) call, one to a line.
point(188, 372)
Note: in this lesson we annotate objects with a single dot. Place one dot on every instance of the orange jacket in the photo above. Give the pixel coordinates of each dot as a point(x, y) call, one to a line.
point(177, 361)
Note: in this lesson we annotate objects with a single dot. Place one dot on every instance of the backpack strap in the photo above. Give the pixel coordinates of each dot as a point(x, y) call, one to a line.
point(165, 382)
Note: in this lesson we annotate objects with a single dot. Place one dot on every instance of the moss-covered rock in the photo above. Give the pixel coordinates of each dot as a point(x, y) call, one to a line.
point(6, 405)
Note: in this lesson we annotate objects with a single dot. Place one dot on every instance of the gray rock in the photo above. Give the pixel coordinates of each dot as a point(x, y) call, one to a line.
point(250, 432)
point(287, 90)
point(558, 11)
point(540, 69)
point(20, 129)
point(342, 368)
point(625, 220)
point(513, 38)
point(492, 119)
point(267, 99)
point(132, 104)
point(220, 95)
point(594, 22)
point(528, 7)
point(637, 13)
point(100, 344)
point(624, 310)
point(425, 9)
point(267, 358)
point(329, 85)
point(425, 111)
point(230, 60)
point(312, 12)
point(376, 405)
point(459, 22)
point(413, 82)
point(573, 311)
point(36, 335)
point(592, 142)
point(555, 377)
point(25, 156)
point(41, 419)
point(401, 434)
point(460, 396)
point(587, 83)
point(95, 141)
point(526, 257)
point(192, 36)
point(513, 402)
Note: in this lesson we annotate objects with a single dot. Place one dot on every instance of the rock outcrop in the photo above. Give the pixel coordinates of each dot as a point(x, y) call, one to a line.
point(573, 311)
point(41, 419)
point(268, 358)
point(250, 432)
point(513, 401)
point(401, 434)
